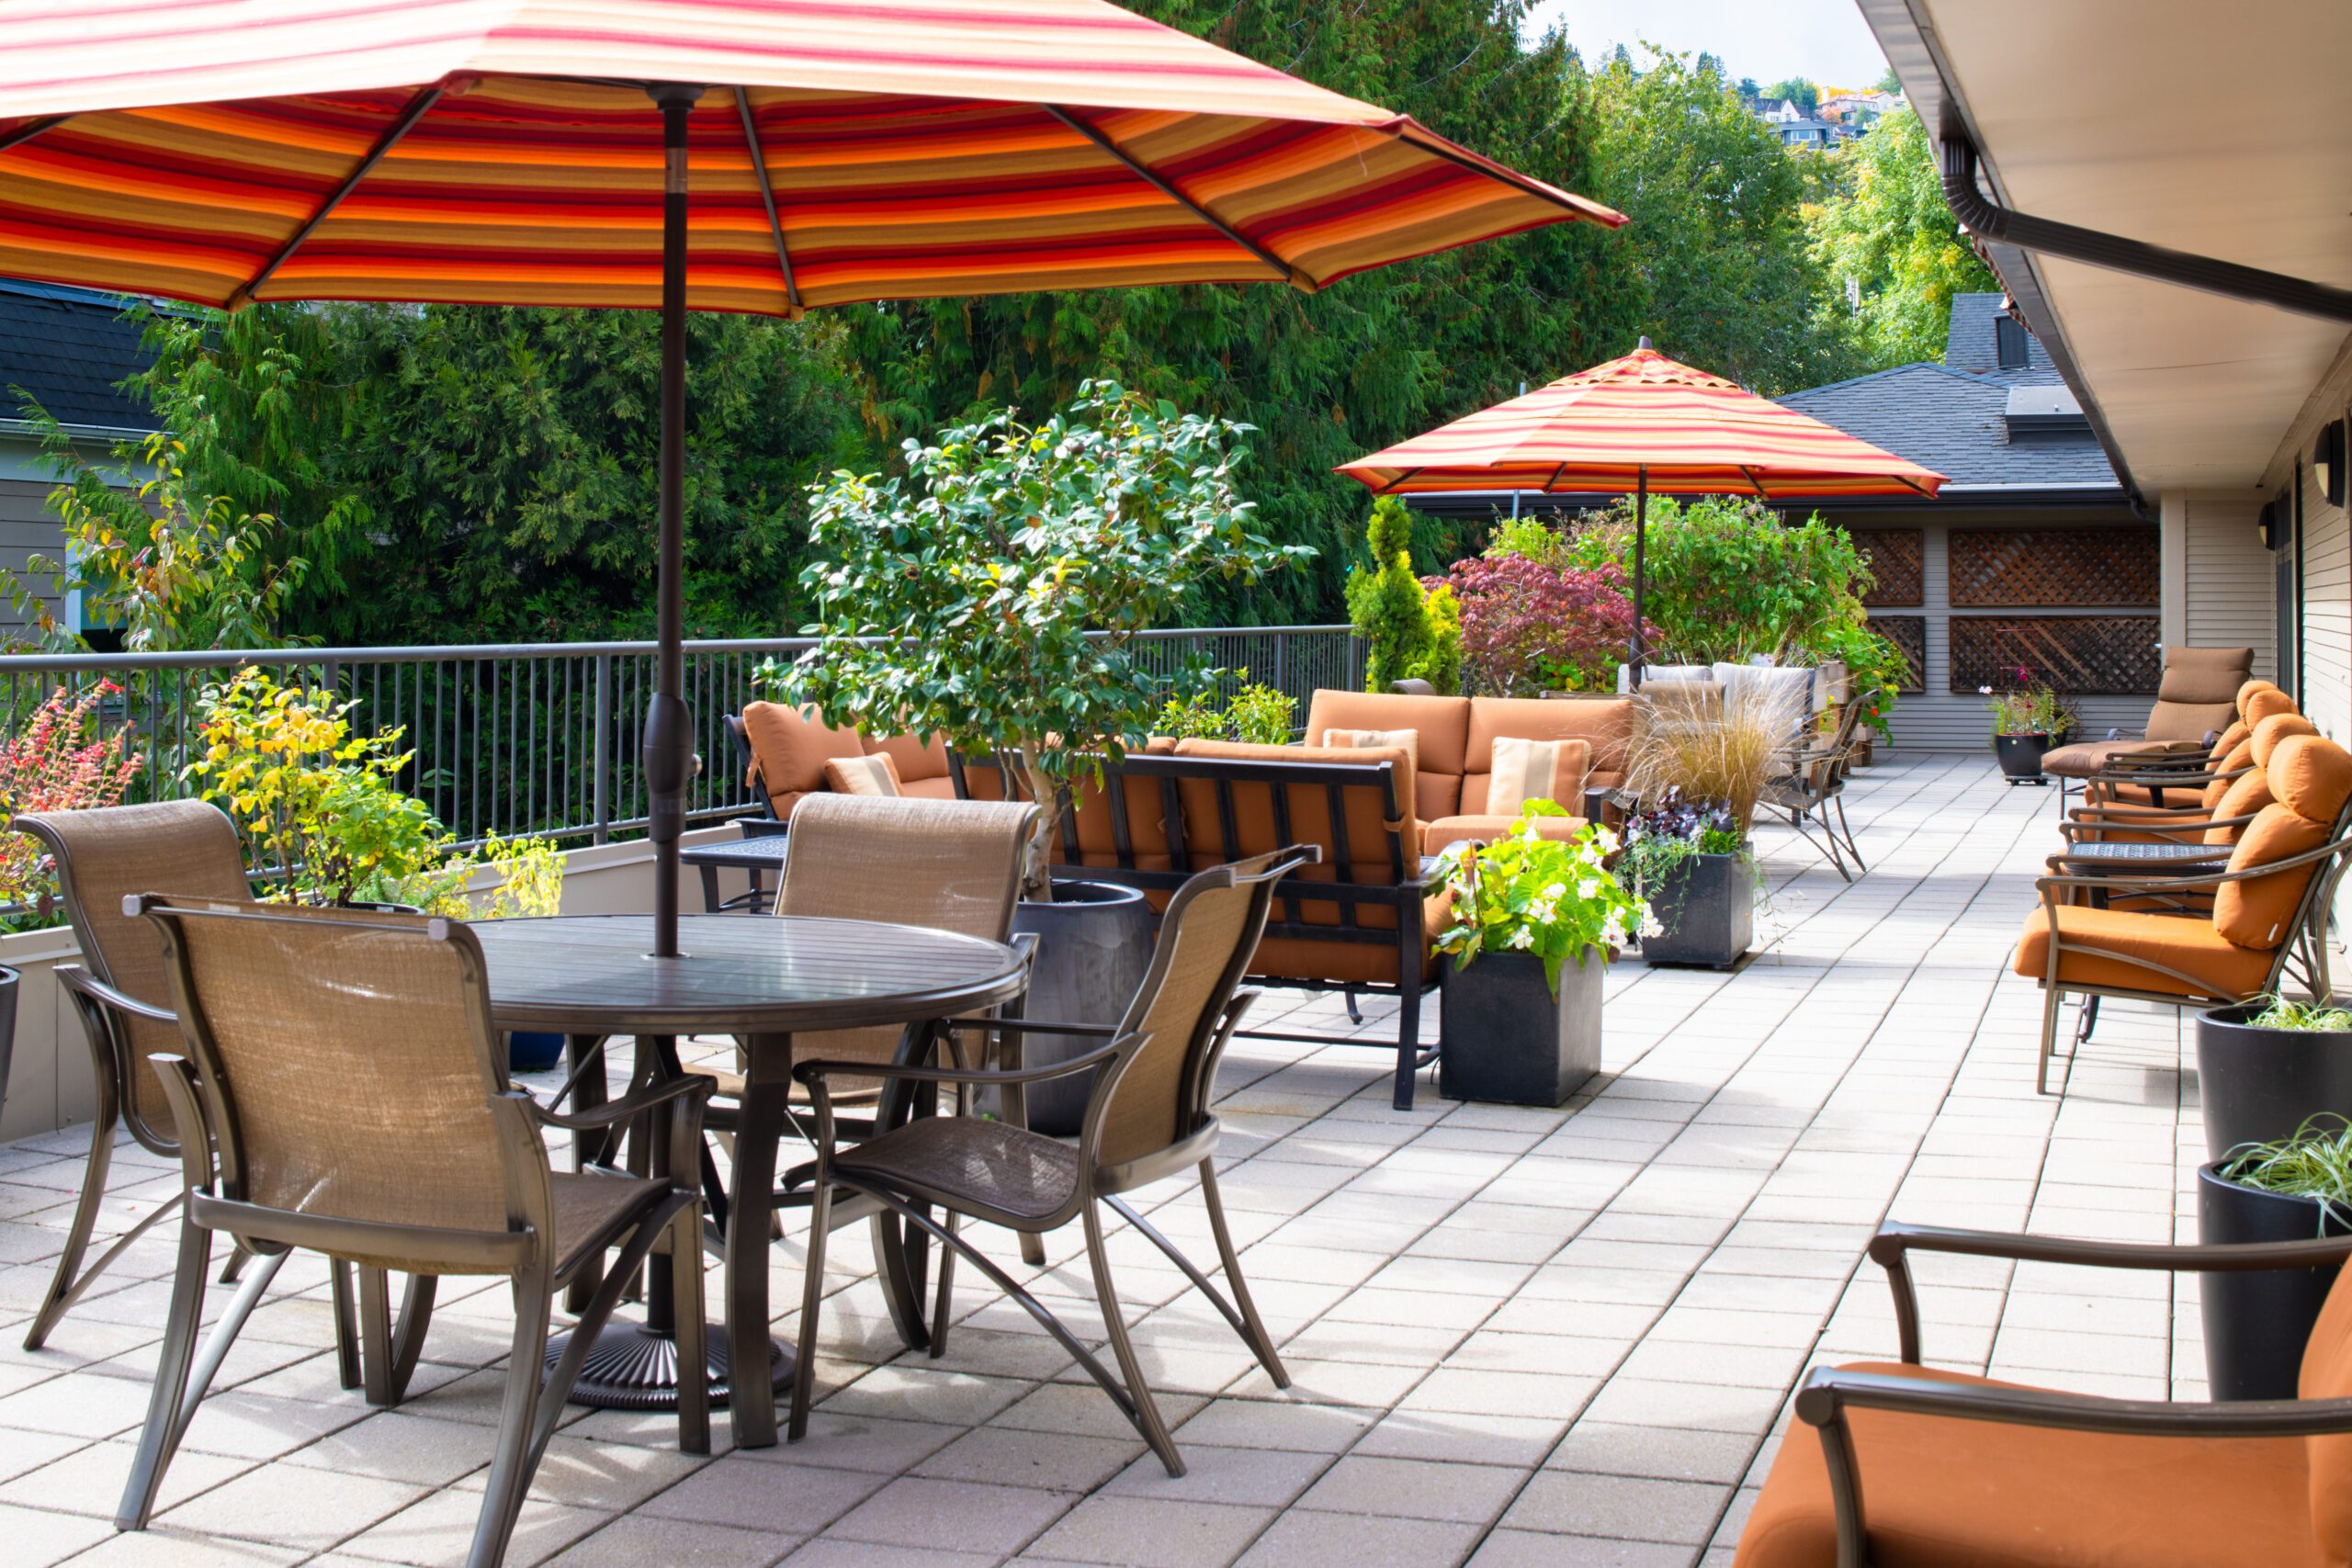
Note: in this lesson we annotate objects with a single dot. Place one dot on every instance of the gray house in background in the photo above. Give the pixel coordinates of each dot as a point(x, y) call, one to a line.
point(63, 349)
point(2030, 559)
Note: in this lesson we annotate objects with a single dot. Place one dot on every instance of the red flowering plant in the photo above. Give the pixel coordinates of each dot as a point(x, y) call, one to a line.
point(58, 761)
point(1527, 627)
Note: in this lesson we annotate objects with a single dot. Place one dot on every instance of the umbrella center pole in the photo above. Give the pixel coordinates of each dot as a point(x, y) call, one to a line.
point(1641, 527)
point(669, 745)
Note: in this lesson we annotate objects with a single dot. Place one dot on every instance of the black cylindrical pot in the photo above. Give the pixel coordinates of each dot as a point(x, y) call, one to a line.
point(1094, 945)
point(2257, 1321)
point(2257, 1086)
point(1707, 905)
point(8, 1028)
point(1503, 1036)
point(2021, 755)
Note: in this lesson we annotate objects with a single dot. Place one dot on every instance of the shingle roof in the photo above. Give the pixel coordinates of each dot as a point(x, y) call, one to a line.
point(1970, 344)
point(1953, 421)
point(66, 348)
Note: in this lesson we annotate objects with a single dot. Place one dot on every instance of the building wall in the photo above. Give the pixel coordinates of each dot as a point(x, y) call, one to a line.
point(2326, 556)
point(28, 529)
point(2227, 579)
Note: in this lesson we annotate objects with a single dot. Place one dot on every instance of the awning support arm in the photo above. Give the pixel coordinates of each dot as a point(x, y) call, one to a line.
point(1998, 224)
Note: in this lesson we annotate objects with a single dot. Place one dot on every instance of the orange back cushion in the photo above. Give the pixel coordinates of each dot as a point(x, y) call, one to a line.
point(2246, 795)
point(2241, 758)
point(790, 748)
point(2258, 912)
point(2312, 775)
point(1443, 723)
point(914, 760)
point(2229, 739)
point(2262, 703)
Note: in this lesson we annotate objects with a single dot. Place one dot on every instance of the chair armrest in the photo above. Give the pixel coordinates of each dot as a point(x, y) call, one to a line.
point(813, 1074)
point(1827, 1393)
point(2164, 831)
point(74, 978)
point(1035, 1026)
point(2189, 883)
point(1895, 1241)
point(634, 1103)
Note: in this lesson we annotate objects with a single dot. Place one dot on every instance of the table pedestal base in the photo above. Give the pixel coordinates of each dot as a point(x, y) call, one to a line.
point(633, 1367)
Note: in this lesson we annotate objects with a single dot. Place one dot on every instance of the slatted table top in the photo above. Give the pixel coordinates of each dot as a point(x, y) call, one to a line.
point(2165, 853)
point(755, 852)
point(589, 973)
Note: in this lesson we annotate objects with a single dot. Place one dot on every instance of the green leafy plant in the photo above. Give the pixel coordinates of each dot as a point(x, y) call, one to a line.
point(2312, 1162)
point(61, 761)
point(992, 595)
point(1874, 671)
point(1408, 633)
point(1259, 714)
point(2286, 1012)
point(1555, 898)
point(1664, 839)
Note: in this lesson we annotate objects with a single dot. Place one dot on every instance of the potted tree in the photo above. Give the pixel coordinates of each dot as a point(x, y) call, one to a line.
point(1535, 922)
point(992, 595)
point(2257, 1321)
point(2027, 724)
point(2265, 1066)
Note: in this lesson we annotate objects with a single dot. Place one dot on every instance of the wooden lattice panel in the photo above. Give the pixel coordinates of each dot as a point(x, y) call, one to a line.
point(1909, 636)
point(2079, 655)
point(1898, 561)
point(2055, 567)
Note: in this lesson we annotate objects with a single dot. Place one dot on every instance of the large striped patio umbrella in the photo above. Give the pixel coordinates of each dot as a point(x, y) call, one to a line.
point(763, 155)
point(1636, 424)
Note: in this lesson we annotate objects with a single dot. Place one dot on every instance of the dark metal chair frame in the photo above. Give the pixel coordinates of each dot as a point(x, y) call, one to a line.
point(1409, 885)
point(213, 1169)
point(1815, 787)
point(1827, 1393)
point(1094, 1184)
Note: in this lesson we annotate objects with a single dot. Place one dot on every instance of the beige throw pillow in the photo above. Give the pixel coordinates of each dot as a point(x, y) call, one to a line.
point(1408, 740)
point(876, 775)
point(1534, 770)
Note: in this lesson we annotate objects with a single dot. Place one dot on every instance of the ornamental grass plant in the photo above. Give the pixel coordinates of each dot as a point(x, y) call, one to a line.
point(1680, 754)
point(2314, 1162)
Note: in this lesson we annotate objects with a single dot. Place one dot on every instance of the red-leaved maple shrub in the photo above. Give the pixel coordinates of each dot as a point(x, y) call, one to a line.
point(1527, 627)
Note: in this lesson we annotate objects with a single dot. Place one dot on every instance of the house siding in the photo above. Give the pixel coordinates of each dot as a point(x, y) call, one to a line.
point(28, 529)
point(2228, 579)
point(2327, 611)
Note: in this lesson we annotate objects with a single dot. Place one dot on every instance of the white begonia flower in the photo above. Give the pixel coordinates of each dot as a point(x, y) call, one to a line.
point(1588, 888)
point(1984, 690)
point(1522, 937)
point(1558, 890)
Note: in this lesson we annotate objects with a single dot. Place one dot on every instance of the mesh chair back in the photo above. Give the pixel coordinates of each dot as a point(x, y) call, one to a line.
point(184, 847)
point(1206, 941)
point(346, 1060)
point(953, 866)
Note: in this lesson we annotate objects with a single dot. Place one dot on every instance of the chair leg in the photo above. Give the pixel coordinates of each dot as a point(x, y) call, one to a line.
point(1114, 1320)
point(686, 1313)
point(387, 1356)
point(1260, 1343)
point(160, 1436)
point(2088, 1021)
point(812, 1299)
point(510, 1470)
point(1846, 830)
point(239, 1256)
point(2053, 998)
point(945, 1290)
point(68, 1283)
point(1409, 1033)
point(347, 1324)
point(1355, 1013)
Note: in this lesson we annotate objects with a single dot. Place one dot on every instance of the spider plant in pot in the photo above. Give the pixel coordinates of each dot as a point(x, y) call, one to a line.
point(2263, 1067)
point(1532, 923)
point(994, 593)
point(2291, 1189)
point(2028, 722)
point(1697, 775)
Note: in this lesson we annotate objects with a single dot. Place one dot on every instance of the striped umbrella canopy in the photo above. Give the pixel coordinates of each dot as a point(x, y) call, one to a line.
point(759, 155)
point(1636, 424)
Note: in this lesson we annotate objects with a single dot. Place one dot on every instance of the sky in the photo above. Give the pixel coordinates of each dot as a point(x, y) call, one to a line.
point(1821, 40)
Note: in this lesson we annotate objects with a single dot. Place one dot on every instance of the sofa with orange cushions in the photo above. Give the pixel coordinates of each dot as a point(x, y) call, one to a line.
point(1895, 1462)
point(786, 749)
point(2268, 907)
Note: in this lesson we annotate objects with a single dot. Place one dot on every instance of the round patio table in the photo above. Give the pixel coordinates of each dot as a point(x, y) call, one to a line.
point(760, 981)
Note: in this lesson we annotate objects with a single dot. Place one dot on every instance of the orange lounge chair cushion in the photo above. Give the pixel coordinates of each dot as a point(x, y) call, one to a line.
point(2257, 911)
point(2245, 796)
point(2191, 946)
point(1938, 1492)
point(2262, 703)
point(789, 750)
point(2312, 775)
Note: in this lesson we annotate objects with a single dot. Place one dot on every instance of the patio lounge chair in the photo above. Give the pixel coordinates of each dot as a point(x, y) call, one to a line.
point(103, 855)
point(343, 1091)
point(2269, 907)
point(2196, 695)
point(1814, 789)
point(1907, 1465)
point(2165, 780)
point(1148, 1118)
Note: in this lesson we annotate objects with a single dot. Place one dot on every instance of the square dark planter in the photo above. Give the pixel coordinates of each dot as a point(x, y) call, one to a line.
point(1505, 1038)
point(1707, 905)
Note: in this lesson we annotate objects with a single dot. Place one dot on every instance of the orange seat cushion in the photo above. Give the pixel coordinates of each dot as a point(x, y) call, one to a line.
point(2191, 946)
point(1939, 1493)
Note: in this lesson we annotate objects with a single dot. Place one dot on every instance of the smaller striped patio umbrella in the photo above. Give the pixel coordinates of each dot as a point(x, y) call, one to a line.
point(1634, 425)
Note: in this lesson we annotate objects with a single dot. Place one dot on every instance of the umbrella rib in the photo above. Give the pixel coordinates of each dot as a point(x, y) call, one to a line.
point(1552, 483)
point(767, 195)
point(1750, 472)
point(425, 99)
point(30, 129)
point(1168, 188)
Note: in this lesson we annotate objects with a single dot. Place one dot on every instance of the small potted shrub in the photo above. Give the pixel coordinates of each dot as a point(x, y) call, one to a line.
point(2267, 1065)
point(2257, 1321)
point(1694, 866)
point(1534, 922)
point(2028, 723)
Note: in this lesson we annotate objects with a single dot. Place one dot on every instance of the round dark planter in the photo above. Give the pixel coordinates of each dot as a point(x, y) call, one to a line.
point(2021, 756)
point(532, 1050)
point(1094, 945)
point(2258, 1086)
point(1707, 905)
point(8, 1028)
point(2257, 1321)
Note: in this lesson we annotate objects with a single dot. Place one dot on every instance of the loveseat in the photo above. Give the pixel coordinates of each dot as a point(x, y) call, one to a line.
point(787, 750)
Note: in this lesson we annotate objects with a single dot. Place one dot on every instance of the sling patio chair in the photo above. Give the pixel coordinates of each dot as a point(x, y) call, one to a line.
point(1907, 1466)
point(1815, 787)
point(344, 1090)
point(121, 993)
point(1148, 1118)
point(2268, 916)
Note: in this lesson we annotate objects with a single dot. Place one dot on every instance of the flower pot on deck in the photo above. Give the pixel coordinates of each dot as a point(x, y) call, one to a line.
point(1707, 904)
point(2256, 1322)
point(1504, 1037)
point(1094, 944)
point(2258, 1086)
point(2021, 755)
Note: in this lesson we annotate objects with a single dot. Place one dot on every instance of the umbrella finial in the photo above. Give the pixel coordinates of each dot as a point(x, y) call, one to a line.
point(1643, 344)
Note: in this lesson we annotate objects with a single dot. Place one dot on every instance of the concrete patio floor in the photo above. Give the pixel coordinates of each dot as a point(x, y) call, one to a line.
point(1516, 1336)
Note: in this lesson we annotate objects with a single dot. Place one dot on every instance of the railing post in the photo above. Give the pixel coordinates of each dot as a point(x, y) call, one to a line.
point(1282, 662)
point(603, 827)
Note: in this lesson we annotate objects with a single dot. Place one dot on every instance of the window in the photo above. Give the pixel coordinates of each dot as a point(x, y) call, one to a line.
point(2008, 343)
